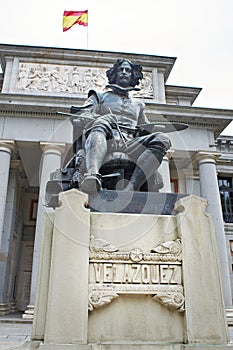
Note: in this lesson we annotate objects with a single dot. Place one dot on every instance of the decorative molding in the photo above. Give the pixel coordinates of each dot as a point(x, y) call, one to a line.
point(102, 250)
point(170, 296)
point(136, 288)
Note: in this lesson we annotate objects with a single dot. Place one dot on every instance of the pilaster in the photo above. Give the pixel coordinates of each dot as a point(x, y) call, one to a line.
point(158, 85)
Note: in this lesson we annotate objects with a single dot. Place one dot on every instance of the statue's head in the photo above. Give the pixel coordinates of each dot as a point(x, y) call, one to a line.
point(125, 73)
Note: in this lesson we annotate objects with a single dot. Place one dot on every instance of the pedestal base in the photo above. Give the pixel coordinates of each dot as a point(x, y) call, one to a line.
point(123, 281)
point(4, 309)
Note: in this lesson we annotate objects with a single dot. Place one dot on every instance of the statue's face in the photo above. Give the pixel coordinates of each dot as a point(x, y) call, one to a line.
point(124, 75)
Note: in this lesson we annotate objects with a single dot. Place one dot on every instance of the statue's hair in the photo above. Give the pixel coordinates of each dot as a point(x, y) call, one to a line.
point(137, 74)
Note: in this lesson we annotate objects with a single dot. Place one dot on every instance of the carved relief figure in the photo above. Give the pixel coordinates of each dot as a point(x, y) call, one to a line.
point(71, 79)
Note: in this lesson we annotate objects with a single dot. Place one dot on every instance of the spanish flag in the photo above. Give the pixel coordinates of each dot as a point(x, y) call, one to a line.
point(72, 17)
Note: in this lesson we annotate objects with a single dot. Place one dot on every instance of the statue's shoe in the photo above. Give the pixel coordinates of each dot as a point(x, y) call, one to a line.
point(91, 183)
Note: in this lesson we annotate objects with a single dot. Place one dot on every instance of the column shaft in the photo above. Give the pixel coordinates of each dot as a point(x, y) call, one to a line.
point(5, 157)
point(210, 191)
point(165, 172)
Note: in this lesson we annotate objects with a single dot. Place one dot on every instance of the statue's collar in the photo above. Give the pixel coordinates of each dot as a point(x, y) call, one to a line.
point(121, 90)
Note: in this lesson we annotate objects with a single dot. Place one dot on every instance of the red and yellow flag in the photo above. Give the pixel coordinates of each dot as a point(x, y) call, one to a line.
point(72, 17)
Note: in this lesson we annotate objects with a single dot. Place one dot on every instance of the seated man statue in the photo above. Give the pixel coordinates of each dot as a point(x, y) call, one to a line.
point(113, 128)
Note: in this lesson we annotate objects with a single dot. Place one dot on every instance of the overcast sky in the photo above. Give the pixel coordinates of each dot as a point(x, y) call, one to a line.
point(199, 33)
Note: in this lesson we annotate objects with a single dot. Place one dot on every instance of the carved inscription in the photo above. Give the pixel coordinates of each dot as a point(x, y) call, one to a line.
point(158, 272)
point(136, 273)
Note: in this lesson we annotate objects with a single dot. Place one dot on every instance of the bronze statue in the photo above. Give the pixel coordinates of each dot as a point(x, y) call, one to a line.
point(114, 120)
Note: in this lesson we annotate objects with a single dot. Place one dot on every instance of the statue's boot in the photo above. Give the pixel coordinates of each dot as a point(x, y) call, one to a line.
point(96, 149)
point(147, 164)
point(91, 183)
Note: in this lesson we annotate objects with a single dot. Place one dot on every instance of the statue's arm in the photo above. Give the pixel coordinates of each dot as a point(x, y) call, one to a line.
point(142, 119)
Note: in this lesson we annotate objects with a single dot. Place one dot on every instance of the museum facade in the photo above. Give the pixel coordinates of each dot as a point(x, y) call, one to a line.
point(35, 140)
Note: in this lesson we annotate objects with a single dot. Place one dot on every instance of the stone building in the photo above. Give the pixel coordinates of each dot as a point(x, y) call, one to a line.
point(35, 140)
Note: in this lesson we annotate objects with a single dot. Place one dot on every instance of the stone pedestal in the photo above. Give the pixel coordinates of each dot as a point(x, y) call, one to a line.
point(117, 281)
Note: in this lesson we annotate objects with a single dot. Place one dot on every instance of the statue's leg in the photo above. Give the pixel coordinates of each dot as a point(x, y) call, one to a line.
point(153, 149)
point(147, 164)
point(95, 149)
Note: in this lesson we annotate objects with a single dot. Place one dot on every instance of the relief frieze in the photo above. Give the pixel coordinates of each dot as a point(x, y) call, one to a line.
point(70, 79)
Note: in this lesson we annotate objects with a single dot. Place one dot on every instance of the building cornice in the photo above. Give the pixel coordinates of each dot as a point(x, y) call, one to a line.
point(197, 117)
point(21, 105)
point(190, 93)
point(100, 58)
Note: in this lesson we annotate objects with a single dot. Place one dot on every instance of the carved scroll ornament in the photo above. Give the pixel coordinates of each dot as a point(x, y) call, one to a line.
point(172, 300)
point(97, 299)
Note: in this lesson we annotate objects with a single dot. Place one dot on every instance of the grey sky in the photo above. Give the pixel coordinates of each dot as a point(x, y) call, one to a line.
point(198, 32)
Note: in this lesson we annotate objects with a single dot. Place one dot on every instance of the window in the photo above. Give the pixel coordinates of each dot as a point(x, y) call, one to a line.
point(226, 194)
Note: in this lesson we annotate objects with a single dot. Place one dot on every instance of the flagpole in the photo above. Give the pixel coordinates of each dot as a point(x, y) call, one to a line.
point(87, 27)
point(87, 37)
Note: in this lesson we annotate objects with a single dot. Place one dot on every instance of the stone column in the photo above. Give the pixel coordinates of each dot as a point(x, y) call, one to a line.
point(51, 160)
point(181, 182)
point(210, 191)
point(5, 155)
point(6, 148)
point(165, 171)
point(9, 243)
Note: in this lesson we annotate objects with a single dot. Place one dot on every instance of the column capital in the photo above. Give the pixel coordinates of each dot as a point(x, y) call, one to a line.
point(169, 154)
point(7, 146)
point(206, 157)
point(53, 147)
